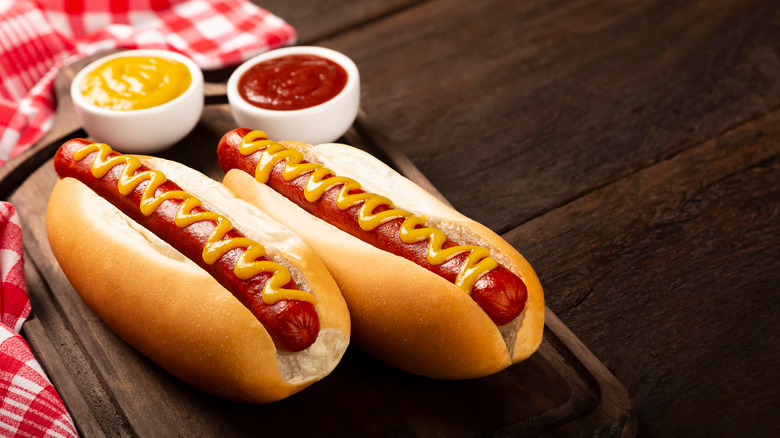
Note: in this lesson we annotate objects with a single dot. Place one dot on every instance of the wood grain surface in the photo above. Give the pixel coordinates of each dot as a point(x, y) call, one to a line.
point(515, 108)
point(628, 149)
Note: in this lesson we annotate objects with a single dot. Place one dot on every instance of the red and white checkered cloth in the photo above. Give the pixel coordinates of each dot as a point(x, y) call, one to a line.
point(37, 37)
point(29, 404)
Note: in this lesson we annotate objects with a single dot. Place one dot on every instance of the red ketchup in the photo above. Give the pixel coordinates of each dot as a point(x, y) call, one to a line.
point(292, 82)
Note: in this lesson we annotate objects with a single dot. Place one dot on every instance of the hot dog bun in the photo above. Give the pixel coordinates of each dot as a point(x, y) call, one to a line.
point(173, 311)
point(402, 313)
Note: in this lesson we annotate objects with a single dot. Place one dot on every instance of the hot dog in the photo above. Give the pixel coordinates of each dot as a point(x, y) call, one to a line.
point(183, 244)
point(429, 290)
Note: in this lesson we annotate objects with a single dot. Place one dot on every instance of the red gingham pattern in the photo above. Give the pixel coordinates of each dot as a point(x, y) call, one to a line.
point(14, 303)
point(29, 404)
point(37, 37)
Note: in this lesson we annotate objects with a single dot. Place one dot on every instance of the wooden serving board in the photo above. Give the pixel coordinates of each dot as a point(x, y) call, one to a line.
point(112, 390)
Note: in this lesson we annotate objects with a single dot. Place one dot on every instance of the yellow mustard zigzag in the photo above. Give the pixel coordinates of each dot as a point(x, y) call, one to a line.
point(247, 265)
point(321, 179)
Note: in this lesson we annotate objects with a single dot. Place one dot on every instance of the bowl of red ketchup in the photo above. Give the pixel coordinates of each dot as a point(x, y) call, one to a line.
point(302, 93)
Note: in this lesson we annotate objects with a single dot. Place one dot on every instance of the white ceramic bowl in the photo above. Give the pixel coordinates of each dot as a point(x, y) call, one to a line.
point(147, 130)
point(323, 123)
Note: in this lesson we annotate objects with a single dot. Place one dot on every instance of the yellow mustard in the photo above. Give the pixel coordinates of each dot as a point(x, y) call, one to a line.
point(247, 265)
point(478, 262)
point(135, 82)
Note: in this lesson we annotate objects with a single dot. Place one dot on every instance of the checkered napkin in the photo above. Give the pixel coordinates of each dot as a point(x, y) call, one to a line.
point(37, 37)
point(29, 404)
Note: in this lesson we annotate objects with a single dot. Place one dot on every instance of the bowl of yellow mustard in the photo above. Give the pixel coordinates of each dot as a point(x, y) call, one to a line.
point(139, 101)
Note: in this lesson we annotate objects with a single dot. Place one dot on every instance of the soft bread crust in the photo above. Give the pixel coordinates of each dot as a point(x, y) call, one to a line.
point(402, 313)
point(174, 312)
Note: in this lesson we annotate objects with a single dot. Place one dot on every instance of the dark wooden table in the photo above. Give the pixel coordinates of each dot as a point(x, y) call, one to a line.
point(629, 149)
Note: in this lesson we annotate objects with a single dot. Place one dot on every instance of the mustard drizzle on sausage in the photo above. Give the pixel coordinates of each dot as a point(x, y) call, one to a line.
point(477, 263)
point(247, 265)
